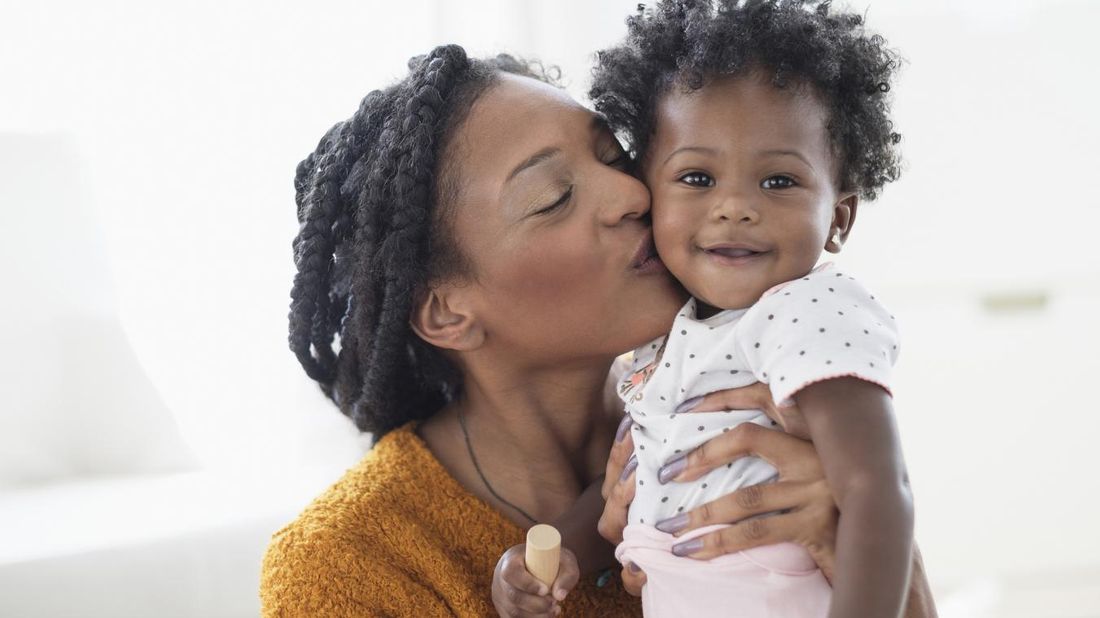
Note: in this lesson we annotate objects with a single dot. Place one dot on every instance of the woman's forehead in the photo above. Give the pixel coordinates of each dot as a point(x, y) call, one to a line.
point(516, 118)
point(513, 126)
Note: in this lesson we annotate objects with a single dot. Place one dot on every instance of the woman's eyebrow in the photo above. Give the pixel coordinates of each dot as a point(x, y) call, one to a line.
point(539, 157)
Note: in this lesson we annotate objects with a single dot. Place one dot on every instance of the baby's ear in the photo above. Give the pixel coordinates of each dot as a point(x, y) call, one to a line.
point(844, 217)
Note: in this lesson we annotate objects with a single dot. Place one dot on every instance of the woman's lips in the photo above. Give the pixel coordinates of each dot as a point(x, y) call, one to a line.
point(651, 265)
point(646, 260)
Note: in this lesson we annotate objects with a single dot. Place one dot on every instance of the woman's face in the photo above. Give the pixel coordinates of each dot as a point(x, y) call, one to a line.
point(557, 233)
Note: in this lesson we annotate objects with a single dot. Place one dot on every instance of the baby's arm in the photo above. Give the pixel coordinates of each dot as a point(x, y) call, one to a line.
point(851, 422)
point(578, 531)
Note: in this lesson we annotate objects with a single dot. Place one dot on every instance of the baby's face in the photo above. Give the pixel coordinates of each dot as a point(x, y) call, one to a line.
point(744, 188)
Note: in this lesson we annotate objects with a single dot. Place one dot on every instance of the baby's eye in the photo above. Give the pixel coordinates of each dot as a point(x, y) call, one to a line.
point(697, 179)
point(778, 182)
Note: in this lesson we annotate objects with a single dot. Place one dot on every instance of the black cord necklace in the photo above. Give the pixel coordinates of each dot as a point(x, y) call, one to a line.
point(601, 579)
point(470, 448)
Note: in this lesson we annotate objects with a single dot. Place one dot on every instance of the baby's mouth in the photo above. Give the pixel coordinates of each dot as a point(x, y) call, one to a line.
point(733, 253)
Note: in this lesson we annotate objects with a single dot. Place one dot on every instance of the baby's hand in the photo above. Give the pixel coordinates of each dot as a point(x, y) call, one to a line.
point(516, 593)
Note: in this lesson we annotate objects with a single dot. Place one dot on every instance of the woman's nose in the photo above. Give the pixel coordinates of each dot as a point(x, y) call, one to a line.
point(624, 198)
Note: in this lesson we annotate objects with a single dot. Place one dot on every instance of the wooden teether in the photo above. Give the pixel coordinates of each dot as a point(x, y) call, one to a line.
point(543, 553)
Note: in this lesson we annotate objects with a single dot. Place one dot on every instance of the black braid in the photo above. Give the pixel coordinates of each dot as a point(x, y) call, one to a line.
point(372, 203)
point(682, 43)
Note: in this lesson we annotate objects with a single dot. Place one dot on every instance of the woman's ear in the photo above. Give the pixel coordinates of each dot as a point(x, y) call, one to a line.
point(444, 319)
point(844, 217)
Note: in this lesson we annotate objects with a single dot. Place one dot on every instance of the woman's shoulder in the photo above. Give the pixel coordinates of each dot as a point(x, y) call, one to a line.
point(351, 548)
point(372, 490)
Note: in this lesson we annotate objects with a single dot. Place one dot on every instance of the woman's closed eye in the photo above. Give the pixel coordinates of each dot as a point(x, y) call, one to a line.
point(778, 181)
point(697, 179)
point(558, 203)
point(617, 158)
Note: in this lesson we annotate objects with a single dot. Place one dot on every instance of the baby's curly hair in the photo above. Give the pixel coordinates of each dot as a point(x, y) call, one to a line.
point(683, 43)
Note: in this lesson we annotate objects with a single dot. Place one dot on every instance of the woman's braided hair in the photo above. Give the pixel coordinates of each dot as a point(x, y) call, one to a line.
point(372, 207)
point(683, 43)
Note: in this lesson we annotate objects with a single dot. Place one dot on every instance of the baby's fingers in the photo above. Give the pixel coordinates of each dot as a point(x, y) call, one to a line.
point(569, 573)
point(521, 602)
point(514, 573)
point(517, 593)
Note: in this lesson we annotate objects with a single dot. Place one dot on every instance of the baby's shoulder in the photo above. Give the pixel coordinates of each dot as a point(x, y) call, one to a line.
point(827, 291)
point(825, 285)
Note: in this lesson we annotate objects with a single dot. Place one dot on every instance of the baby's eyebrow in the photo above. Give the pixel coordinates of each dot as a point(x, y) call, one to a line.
point(791, 153)
point(699, 149)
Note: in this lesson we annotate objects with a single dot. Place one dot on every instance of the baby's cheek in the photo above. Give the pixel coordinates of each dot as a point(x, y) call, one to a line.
point(673, 232)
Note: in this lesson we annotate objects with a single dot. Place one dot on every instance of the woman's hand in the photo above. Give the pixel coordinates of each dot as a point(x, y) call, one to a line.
point(756, 396)
point(811, 516)
point(805, 512)
point(618, 492)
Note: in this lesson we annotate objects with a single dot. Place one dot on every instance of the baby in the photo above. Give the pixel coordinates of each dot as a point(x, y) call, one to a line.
point(758, 128)
point(763, 133)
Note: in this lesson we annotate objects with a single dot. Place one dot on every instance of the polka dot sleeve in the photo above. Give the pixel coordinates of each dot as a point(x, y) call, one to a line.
point(825, 325)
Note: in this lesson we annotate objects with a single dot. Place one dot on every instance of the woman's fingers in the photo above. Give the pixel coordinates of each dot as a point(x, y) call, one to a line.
point(633, 579)
point(813, 527)
point(738, 537)
point(618, 483)
point(744, 503)
point(613, 519)
point(621, 450)
point(792, 457)
point(756, 396)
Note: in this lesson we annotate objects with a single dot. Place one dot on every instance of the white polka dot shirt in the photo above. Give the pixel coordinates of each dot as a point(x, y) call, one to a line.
point(822, 326)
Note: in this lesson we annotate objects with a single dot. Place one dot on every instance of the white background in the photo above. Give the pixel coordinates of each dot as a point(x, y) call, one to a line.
point(146, 158)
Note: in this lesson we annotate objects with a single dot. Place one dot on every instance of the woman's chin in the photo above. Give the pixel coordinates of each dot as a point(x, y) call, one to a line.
point(653, 317)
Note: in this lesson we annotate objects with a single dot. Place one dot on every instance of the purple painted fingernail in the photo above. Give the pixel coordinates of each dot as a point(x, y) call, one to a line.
point(624, 426)
point(630, 465)
point(633, 567)
point(672, 469)
point(690, 547)
point(688, 405)
point(672, 525)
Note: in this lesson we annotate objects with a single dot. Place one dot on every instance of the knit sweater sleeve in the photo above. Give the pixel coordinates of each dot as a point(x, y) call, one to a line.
point(319, 575)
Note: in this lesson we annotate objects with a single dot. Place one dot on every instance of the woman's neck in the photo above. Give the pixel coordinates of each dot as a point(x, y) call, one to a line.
point(539, 437)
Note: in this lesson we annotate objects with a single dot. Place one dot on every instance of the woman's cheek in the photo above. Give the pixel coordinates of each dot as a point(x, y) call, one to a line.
point(556, 269)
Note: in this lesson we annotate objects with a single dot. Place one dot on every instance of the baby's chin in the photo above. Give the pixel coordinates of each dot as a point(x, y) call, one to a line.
point(710, 301)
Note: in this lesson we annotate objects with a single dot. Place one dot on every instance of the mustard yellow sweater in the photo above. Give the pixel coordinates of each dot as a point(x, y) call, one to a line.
point(398, 536)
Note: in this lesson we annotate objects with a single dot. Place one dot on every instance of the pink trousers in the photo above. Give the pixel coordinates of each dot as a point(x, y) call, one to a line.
point(776, 581)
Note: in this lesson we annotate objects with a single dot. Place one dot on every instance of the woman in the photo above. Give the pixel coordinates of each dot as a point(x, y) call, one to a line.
point(472, 237)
